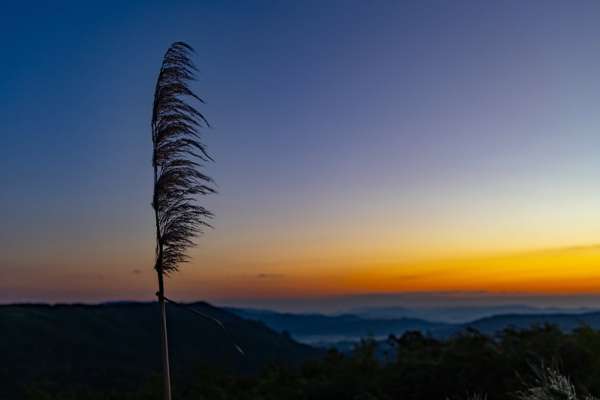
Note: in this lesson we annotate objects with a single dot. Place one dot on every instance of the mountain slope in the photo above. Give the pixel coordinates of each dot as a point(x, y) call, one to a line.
point(118, 345)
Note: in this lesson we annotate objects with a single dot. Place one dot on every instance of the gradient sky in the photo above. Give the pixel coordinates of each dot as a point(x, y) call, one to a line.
point(361, 147)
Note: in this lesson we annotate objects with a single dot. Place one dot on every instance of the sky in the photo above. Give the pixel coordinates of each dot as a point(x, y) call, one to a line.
point(361, 148)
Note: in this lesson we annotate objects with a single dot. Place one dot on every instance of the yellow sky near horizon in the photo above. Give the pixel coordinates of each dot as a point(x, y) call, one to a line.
point(550, 271)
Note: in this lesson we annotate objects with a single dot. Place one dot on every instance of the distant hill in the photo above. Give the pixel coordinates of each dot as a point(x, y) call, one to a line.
point(118, 345)
point(566, 322)
point(341, 330)
point(461, 314)
point(324, 329)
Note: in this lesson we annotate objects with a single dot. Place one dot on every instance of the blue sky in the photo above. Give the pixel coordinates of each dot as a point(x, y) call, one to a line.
point(341, 130)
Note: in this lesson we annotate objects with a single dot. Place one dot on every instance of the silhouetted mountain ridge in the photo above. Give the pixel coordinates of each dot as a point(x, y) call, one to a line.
point(565, 321)
point(118, 344)
point(458, 314)
point(327, 329)
point(319, 328)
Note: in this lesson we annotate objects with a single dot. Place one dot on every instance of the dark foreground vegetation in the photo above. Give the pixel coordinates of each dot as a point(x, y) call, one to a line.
point(414, 366)
point(468, 366)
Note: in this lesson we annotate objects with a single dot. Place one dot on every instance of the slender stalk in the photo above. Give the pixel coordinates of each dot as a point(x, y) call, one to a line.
point(161, 297)
point(165, 341)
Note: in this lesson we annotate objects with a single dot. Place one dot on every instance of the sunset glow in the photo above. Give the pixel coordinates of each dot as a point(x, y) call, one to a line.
point(410, 149)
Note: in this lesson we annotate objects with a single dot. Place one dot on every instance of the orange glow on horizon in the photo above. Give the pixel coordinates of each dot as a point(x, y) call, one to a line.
point(551, 271)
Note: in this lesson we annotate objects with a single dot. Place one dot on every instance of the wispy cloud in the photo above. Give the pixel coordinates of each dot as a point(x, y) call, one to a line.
point(269, 276)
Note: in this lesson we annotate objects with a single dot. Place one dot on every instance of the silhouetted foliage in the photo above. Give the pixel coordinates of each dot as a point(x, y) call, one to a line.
point(178, 154)
point(552, 385)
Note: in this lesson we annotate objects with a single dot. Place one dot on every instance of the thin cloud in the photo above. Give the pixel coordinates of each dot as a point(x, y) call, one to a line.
point(269, 276)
